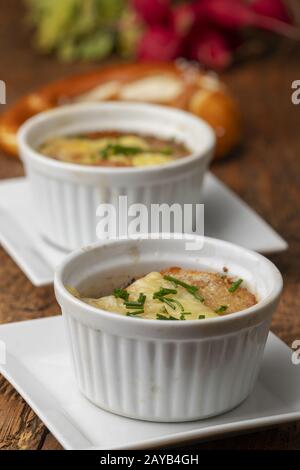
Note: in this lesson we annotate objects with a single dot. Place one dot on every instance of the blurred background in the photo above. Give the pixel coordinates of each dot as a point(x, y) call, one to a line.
point(253, 45)
point(76, 35)
point(43, 40)
point(216, 33)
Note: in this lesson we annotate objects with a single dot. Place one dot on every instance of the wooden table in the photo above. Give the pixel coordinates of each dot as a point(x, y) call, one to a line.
point(265, 173)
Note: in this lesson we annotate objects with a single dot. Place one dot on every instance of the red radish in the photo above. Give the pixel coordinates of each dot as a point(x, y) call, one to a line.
point(237, 14)
point(211, 48)
point(159, 44)
point(183, 18)
point(153, 12)
point(273, 8)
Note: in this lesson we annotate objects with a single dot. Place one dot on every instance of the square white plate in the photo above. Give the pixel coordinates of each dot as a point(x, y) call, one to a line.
point(37, 365)
point(227, 217)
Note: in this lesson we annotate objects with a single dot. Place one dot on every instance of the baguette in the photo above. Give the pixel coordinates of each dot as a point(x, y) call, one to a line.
point(172, 84)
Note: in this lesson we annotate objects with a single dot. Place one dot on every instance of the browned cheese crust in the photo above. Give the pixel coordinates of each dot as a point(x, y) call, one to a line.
point(214, 288)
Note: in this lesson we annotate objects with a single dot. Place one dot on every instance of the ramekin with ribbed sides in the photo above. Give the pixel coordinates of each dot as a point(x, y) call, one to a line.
point(67, 195)
point(165, 370)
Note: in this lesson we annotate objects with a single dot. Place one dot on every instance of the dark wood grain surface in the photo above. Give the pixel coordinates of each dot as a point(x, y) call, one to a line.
point(265, 172)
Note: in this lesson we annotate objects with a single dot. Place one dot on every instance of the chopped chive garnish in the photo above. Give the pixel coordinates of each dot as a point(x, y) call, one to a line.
point(121, 294)
point(168, 302)
point(201, 317)
point(136, 304)
point(235, 285)
point(221, 309)
point(166, 150)
point(163, 291)
point(191, 289)
point(104, 153)
point(197, 296)
point(142, 298)
point(160, 295)
point(159, 316)
point(132, 314)
point(178, 282)
point(182, 316)
point(125, 150)
point(133, 305)
point(118, 149)
point(177, 303)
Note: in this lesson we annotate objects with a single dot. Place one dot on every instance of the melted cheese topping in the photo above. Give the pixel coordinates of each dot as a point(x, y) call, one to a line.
point(148, 285)
point(124, 150)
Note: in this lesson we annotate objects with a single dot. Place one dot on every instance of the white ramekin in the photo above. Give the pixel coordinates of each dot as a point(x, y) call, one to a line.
point(67, 195)
point(162, 370)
